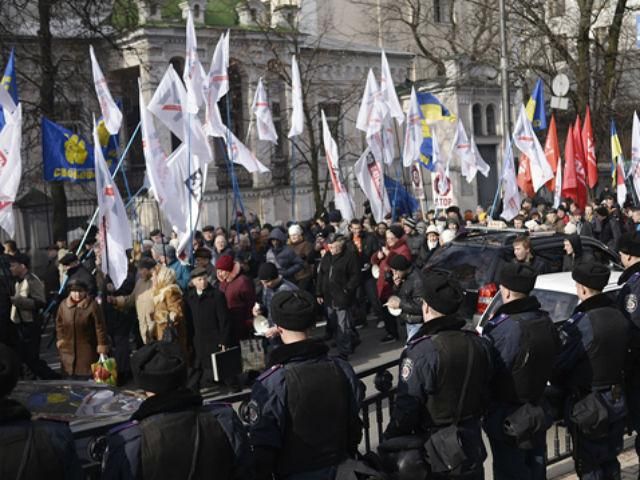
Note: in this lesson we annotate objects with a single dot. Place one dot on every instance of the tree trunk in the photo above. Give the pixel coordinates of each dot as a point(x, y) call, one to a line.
point(47, 106)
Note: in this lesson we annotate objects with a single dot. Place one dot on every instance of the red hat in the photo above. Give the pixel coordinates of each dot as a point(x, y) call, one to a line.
point(225, 263)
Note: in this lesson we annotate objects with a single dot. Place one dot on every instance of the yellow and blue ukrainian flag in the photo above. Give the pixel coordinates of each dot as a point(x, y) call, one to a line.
point(432, 111)
point(9, 82)
point(616, 153)
point(535, 107)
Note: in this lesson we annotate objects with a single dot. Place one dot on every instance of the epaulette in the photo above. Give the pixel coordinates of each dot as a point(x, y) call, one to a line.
point(495, 321)
point(574, 318)
point(413, 342)
point(634, 278)
point(123, 426)
point(267, 373)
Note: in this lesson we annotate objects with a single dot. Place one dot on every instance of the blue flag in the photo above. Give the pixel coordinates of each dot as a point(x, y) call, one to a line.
point(535, 107)
point(9, 83)
point(432, 110)
point(68, 157)
point(405, 202)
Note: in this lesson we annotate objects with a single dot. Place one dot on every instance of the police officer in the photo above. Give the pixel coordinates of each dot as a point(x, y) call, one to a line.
point(408, 292)
point(172, 435)
point(31, 448)
point(444, 374)
point(590, 369)
point(524, 343)
point(628, 298)
point(304, 408)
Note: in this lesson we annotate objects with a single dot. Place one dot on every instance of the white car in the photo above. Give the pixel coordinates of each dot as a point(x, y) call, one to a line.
point(556, 292)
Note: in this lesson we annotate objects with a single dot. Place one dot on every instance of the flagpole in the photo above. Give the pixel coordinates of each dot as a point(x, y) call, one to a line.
point(234, 182)
point(106, 243)
point(293, 180)
point(113, 175)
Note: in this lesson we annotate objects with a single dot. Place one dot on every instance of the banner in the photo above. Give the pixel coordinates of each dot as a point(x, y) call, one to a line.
point(68, 157)
point(442, 190)
point(416, 182)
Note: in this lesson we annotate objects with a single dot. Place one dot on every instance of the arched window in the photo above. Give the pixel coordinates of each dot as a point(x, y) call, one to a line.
point(476, 117)
point(491, 120)
point(153, 9)
point(196, 11)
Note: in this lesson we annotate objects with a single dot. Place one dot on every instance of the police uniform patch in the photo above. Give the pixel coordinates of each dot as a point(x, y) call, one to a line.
point(407, 369)
point(253, 412)
point(631, 303)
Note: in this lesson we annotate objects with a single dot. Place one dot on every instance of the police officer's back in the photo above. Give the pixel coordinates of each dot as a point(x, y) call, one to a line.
point(523, 343)
point(444, 374)
point(304, 407)
point(590, 370)
point(172, 435)
point(629, 304)
point(31, 449)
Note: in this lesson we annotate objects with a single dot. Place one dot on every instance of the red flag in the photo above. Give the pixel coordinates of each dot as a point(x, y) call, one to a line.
point(589, 147)
point(581, 165)
point(524, 176)
point(552, 151)
point(569, 180)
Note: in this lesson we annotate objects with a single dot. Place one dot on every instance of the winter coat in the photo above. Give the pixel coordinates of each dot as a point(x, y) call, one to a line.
point(28, 299)
point(167, 303)
point(368, 246)
point(240, 293)
point(209, 323)
point(338, 279)
point(183, 276)
point(142, 299)
point(425, 254)
point(411, 293)
point(415, 242)
point(305, 251)
point(284, 257)
point(384, 287)
point(82, 334)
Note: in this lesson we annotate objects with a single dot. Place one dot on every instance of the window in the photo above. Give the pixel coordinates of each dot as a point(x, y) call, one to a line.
point(442, 11)
point(153, 9)
point(491, 120)
point(556, 8)
point(69, 115)
point(476, 117)
point(196, 11)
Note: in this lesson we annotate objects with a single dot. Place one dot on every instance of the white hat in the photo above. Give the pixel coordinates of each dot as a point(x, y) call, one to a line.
point(433, 229)
point(447, 236)
point(295, 229)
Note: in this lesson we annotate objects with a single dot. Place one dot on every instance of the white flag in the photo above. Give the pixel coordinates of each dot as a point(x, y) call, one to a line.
point(413, 134)
point(217, 86)
point(297, 113)
point(160, 178)
point(527, 142)
point(388, 91)
point(6, 102)
point(557, 193)
point(369, 173)
point(10, 167)
point(482, 166)
point(193, 75)
point(388, 138)
point(110, 112)
point(461, 148)
point(168, 104)
point(634, 171)
point(510, 192)
point(342, 198)
point(367, 103)
point(264, 121)
point(240, 154)
point(115, 230)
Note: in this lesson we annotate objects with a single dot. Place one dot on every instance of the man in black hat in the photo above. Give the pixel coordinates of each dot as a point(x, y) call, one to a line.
point(408, 286)
point(336, 286)
point(208, 322)
point(628, 298)
point(444, 374)
point(271, 283)
point(524, 343)
point(31, 448)
point(590, 371)
point(26, 303)
point(304, 408)
point(74, 269)
point(172, 434)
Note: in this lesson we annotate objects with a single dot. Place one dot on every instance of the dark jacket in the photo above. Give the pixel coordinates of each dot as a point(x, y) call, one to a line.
point(608, 231)
point(168, 423)
point(368, 246)
point(579, 255)
point(415, 242)
point(208, 323)
point(425, 254)
point(49, 445)
point(411, 293)
point(338, 278)
point(288, 440)
point(283, 256)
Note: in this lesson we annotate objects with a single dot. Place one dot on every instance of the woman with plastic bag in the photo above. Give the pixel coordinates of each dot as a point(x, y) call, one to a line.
point(81, 331)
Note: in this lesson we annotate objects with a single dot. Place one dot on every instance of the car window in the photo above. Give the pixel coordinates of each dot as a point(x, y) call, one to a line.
point(470, 265)
point(560, 305)
point(552, 257)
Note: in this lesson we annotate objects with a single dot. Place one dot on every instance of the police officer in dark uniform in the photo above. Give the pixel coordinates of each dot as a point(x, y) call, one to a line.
point(628, 302)
point(444, 374)
point(172, 435)
point(590, 369)
point(304, 408)
point(31, 448)
point(524, 343)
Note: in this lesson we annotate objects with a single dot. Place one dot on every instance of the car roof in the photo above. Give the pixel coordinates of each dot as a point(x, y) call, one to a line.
point(562, 282)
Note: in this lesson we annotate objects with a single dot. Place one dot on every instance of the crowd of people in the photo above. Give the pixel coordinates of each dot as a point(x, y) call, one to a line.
point(172, 313)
